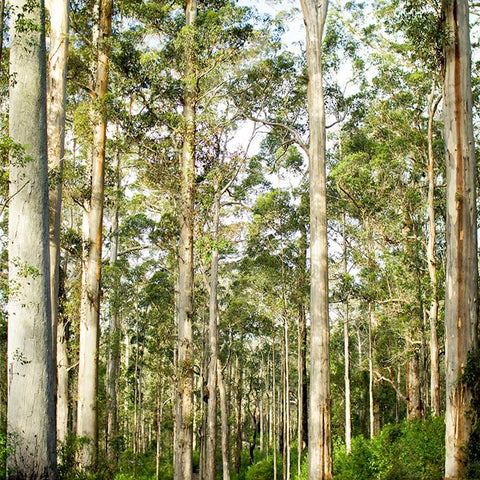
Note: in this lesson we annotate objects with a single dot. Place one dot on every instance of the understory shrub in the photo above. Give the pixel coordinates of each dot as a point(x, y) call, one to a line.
point(411, 450)
point(263, 470)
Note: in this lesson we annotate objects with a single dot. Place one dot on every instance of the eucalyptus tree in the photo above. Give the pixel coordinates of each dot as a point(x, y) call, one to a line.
point(31, 417)
point(184, 310)
point(87, 414)
point(320, 442)
point(461, 310)
point(56, 109)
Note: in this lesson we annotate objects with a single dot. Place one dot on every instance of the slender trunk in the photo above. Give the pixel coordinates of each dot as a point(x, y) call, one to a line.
point(238, 447)
point(224, 417)
point(302, 349)
point(56, 103)
point(113, 361)
point(397, 394)
point(62, 369)
point(185, 411)
point(461, 308)
point(370, 371)
point(320, 444)
point(210, 473)
point(346, 348)
point(262, 422)
point(202, 380)
point(432, 265)
point(274, 414)
point(31, 397)
point(299, 396)
point(158, 449)
point(286, 405)
point(87, 418)
point(414, 403)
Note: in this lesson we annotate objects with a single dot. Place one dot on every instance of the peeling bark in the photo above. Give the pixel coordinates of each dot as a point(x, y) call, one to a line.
point(461, 308)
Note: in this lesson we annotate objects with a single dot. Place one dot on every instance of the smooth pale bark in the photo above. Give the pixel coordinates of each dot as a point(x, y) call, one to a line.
point(274, 414)
point(224, 419)
point(371, 406)
point(302, 406)
point(320, 442)
point(461, 309)
point(211, 440)
point(184, 409)
point(346, 350)
point(31, 397)
point(113, 362)
point(286, 403)
point(239, 395)
point(87, 416)
point(158, 433)
point(56, 105)
point(414, 394)
point(432, 265)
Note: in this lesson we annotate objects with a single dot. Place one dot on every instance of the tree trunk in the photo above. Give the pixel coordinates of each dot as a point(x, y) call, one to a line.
point(238, 446)
point(320, 447)
point(302, 349)
point(461, 315)
point(286, 402)
point(432, 265)
point(87, 418)
point(31, 401)
point(113, 361)
point(184, 411)
point(346, 347)
point(370, 371)
point(274, 415)
point(224, 417)
point(414, 396)
point(56, 103)
point(210, 473)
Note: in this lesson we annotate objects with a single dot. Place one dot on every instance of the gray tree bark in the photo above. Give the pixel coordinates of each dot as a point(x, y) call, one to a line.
point(224, 417)
point(31, 402)
point(432, 265)
point(346, 349)
point(320, 444)
point(461, 307)
point(87, 416)
point(210, 471)
point(113, 362)
point(56, 104)
point(184, 407)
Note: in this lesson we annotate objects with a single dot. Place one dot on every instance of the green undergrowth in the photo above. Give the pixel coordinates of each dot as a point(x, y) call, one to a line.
point(409, 450)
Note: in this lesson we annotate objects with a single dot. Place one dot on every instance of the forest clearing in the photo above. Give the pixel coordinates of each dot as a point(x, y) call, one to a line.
point(239, 240)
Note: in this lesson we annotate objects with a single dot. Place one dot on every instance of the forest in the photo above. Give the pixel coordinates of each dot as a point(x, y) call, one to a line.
point(238, 240)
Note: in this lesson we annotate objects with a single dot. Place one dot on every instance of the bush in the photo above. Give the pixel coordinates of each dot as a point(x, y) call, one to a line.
point(264, 470)
point(411, 450)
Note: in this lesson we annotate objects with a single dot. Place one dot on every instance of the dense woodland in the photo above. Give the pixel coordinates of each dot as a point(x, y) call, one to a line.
point(239, 240)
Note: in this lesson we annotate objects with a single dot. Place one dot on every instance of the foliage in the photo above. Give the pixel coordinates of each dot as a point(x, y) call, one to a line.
point(410, 450)
point(263, 470)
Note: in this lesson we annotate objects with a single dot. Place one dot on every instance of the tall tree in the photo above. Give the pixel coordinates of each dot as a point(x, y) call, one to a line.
point(320, 448)
point(87, 416)
point(461, 309)
point(56, 104)
point(184, 407)
point(31, 417)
